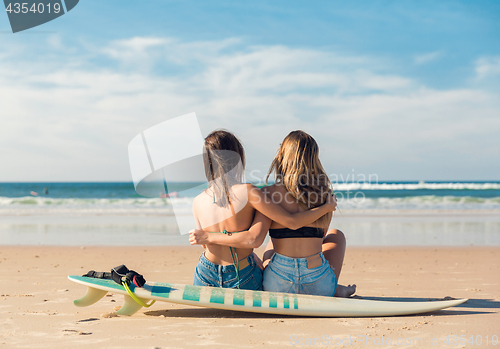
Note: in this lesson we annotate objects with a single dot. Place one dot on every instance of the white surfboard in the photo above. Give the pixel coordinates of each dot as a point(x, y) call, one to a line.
point(251, 301)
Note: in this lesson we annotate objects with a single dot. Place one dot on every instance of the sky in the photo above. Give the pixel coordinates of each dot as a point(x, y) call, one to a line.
point(395, 90)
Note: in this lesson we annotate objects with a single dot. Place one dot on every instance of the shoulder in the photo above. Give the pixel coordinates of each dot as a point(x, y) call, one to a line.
point(273, 188)
point(253, 191)
point(269, 189)
point(266, 189)
point(199, 196)
point(199, 199)
point(243, 190)
point(247, 186)
point(243, 187)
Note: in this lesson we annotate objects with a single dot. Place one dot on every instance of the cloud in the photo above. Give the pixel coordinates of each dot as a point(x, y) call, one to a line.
point(487, 67)
point(427, 57)
point(71, 117)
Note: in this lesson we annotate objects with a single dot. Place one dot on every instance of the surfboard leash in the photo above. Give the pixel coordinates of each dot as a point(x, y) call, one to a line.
point(134, 297)
point(236, 264)
point(123, 276)
point(234, 257)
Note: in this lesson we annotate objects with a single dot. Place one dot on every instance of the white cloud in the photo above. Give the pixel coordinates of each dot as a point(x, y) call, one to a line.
point(427, 57)
point(487, 67)
point(74, 120)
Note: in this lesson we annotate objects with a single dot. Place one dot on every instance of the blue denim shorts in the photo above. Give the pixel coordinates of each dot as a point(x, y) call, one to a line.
point(215, 275)
point(291, 275)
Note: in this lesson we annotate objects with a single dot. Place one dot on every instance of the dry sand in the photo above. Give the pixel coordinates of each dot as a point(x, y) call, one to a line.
point(36, 309)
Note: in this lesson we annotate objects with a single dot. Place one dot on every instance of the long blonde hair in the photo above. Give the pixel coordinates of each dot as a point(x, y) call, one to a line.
point(297, 167)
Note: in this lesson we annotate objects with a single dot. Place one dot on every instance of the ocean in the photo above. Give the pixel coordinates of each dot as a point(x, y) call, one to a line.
point(114, 214)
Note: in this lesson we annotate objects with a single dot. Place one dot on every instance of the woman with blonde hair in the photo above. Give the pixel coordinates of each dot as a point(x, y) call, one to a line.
point(229, 206)
point(307, 260)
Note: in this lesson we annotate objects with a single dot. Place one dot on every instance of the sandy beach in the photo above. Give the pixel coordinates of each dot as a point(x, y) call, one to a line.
point(37, 311)
point(124, 125)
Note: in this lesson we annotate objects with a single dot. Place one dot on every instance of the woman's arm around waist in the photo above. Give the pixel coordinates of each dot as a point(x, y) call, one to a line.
point(251, 238)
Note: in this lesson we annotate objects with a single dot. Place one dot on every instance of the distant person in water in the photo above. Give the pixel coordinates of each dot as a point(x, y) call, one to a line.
point(45, 190)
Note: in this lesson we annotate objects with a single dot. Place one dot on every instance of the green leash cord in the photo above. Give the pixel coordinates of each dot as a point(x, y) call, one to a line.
point(134, 297)
point(234, 256)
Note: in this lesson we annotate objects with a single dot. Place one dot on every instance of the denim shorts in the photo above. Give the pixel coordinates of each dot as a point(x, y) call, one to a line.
point(215, 275)
point(291, 275)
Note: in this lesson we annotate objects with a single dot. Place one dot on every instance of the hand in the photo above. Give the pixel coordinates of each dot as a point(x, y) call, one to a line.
point(258, 261)
point(265, 264)
point(332, 201)
point(198, 237)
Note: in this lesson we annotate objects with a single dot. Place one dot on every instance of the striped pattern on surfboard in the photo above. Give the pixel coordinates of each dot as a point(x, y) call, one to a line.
point(254, 301)
point(188, 294)
point(226, 296)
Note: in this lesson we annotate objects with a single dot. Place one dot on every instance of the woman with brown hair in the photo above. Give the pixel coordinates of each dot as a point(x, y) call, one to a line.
point(229, 206)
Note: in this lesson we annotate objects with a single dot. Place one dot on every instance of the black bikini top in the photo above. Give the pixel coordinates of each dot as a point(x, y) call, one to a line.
point(304, 232)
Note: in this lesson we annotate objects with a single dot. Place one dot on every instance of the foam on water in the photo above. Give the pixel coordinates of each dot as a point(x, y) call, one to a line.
point(416, 186)
point(139, 206)
point(423, 202)
point(375, 214)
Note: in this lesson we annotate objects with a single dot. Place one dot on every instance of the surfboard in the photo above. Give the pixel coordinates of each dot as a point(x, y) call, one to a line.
point(251, 301)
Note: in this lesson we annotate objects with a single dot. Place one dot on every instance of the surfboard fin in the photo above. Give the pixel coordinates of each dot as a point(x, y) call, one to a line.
point(130, 307)
point(92, 296)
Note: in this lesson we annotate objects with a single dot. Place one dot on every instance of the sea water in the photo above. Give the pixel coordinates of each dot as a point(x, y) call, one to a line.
point(371, 214)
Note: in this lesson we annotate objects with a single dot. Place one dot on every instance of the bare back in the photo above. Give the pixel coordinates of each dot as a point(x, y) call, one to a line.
point(211, 217)
point(293, 247)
